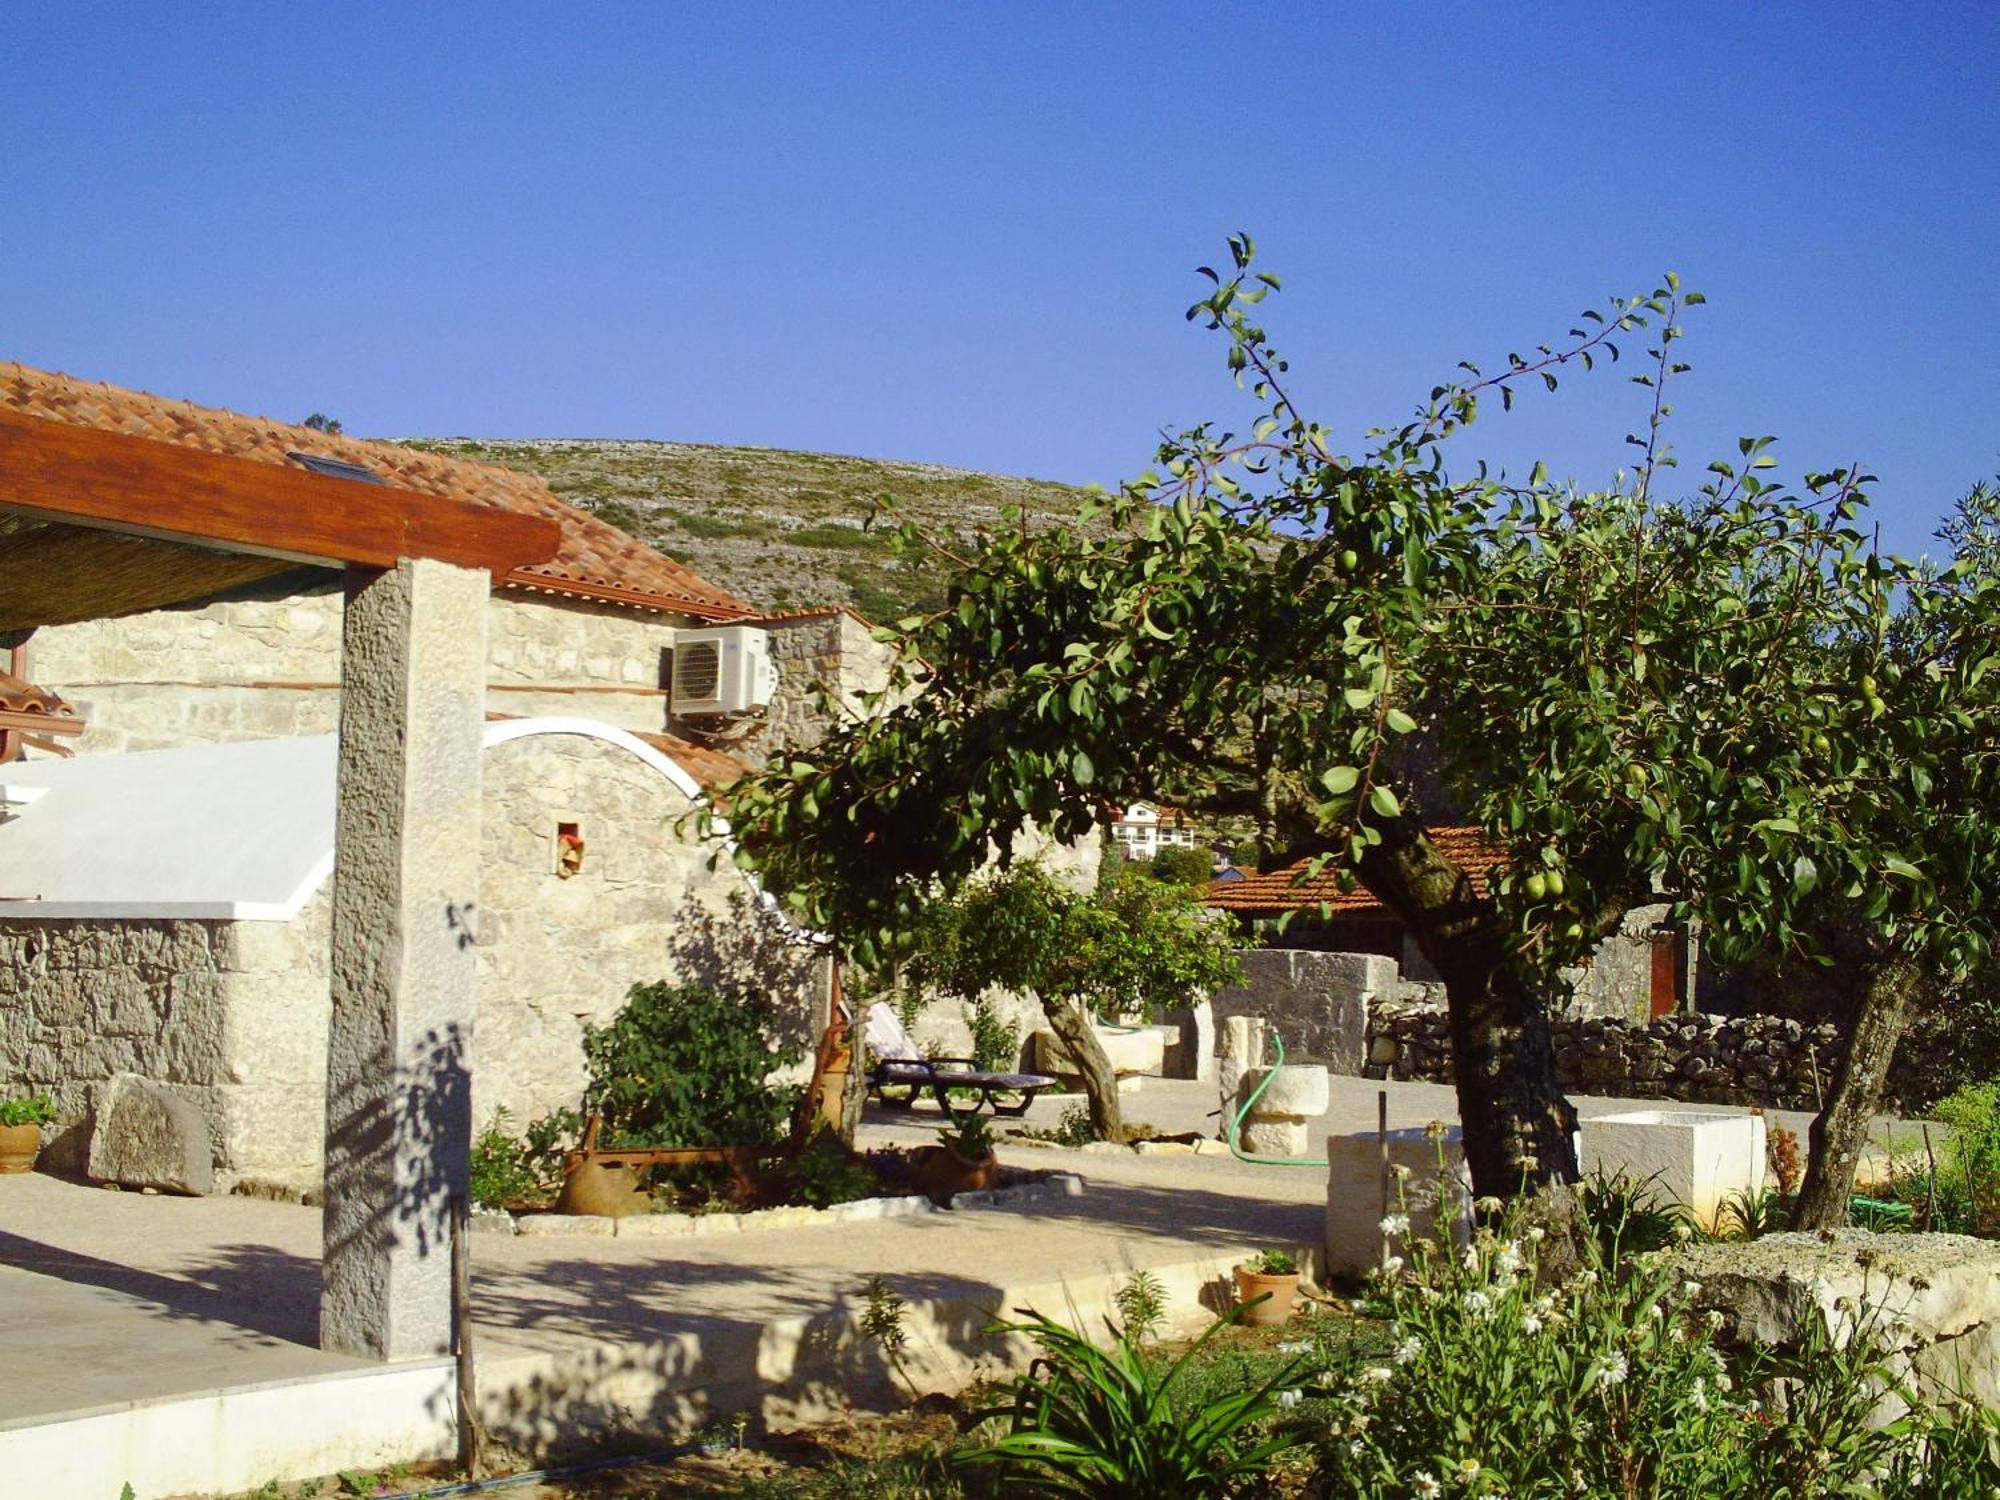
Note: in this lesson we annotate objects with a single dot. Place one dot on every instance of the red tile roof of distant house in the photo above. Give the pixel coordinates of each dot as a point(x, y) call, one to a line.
point(596, 560)
point(1274, 892)
point(1162, 811)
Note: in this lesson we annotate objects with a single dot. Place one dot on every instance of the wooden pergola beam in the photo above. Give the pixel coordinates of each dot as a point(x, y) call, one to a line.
point(82, 476)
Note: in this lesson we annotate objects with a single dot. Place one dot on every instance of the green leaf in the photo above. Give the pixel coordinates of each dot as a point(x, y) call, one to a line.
point(1339, 780)
point(1399, 722)
point(1384, 802)
point(1082, 768)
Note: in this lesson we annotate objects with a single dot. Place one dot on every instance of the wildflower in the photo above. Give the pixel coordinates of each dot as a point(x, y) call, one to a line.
point(1471, 1258)
point(1507, 1260)
point(1392, 1265)
point(1295, 1346)
point(1409, 1349)
point(1356, 1448)
point(1488, 1205)
point(1424, 1484)
point(1713, 1318)
point(1395, 1224)
point(1585, 1277)
point(1683, 1231)
point(1400, 1172)
point(1287, 1399)
point(1378, 1375)
point(1690, 1288)
point(1478, 1304)
point(1531, 1324)
point(1698, 1394)
point(1610, 1369)
point(1537, 1234)
point(1466, 1470)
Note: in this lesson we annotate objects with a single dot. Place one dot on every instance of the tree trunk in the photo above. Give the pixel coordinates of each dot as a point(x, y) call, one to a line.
point(1519, 1127)
point(1070, 1021)
point(1840, 1130)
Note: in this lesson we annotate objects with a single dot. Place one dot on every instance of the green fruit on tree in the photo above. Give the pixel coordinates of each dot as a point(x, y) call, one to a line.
point(1867, 685)
point(1822, 745)
point(1574, 932)
point(1556, 882)
point(1538, 887)
point(1349, 560)
point(1636, 774)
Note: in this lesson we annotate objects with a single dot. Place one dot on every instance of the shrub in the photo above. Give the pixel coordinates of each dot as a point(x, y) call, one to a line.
point(685, 1065)
point(1142, 1305)
point(1185, 867)
point(826, 1173)
point(1972, 1155)
point(996, 1041)
point(971, 1136)
point(1272, 1263)
point(502, 1167)
point(1115, 1422)
point(1610, 1383)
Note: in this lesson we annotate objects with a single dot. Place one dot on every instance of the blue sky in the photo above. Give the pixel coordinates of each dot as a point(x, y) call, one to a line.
point(964, 234)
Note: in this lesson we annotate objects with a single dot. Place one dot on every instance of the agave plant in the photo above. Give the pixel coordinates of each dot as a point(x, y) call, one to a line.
point(1104, 1422)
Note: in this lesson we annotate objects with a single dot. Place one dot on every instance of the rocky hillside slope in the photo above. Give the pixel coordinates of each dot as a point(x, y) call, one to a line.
point(781, 530)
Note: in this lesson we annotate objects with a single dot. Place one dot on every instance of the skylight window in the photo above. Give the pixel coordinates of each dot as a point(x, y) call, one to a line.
point(336, 468)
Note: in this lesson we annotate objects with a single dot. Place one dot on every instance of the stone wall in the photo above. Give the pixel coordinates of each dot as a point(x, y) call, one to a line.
point(221, 1014)
point(268, 668)
point(233, 1016)
point(557, 954)
point(1695, 1059)
point(1319, 1002)
point(834, 649)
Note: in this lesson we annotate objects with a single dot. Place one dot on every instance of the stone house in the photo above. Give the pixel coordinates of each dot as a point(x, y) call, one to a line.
point(167, 888)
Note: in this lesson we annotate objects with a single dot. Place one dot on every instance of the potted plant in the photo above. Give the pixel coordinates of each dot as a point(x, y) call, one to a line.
point(21, 1122)
point(718, 1437)
point(961, 1162)
point(1272, 1275)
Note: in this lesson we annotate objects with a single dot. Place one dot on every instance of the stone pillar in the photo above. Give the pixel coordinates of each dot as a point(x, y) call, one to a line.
point(405, 885)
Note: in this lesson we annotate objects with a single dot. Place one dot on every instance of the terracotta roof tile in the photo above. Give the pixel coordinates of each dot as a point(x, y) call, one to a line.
point(19, 696)
point(714, 769)
point(596, 561)
point(1273, 892)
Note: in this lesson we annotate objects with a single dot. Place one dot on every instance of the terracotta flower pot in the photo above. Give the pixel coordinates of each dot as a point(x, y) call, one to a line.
point(940, 1173)
point(1275, 1309)
point(19, 1145)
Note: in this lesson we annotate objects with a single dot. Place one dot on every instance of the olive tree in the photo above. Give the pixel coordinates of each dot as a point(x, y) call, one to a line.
point(1614, 686)
point(1132, 947)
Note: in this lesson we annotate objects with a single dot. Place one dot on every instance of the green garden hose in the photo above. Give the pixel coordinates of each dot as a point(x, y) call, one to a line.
point(1236, 1125)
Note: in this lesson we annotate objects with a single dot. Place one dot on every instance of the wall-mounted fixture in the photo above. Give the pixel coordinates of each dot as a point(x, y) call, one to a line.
point(724, 670)
point(569, 850)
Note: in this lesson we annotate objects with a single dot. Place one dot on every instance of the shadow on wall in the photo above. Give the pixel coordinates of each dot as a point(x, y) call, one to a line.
point(741, 950)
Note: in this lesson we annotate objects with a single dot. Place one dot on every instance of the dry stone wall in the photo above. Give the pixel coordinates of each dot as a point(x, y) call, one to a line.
point(1696, 1059)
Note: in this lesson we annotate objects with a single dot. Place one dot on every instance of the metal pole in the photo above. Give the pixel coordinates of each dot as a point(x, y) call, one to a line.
point(1382, 1143)
point(461, 1326)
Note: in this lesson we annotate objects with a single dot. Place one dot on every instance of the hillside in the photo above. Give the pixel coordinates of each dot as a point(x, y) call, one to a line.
point(781, 530)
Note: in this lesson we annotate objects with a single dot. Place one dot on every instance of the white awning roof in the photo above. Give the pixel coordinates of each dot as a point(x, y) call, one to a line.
point(239, 831)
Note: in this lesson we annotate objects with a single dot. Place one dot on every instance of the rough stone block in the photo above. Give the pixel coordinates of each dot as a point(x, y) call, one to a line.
point(1354, 1237)
point(655, 1226)
point(145, 1136)
point(1933, 1299)
point(1295, 1091)
point(1699, 1160)
point(555, 1225)
point(1275, 1137)
point(1133, 1050)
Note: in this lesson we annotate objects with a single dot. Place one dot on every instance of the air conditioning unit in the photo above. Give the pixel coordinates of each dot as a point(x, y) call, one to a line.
point(727, 670)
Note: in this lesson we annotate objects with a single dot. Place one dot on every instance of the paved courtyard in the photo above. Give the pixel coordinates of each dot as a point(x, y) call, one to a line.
point(109, 1299)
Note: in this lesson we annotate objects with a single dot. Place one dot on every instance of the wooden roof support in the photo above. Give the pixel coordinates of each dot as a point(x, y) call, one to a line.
point(80, 476)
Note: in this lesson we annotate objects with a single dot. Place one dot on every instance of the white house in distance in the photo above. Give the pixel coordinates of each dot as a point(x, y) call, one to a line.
point(1143, 829)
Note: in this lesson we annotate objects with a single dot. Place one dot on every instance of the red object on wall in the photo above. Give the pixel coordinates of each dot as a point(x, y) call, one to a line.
point(1666, 987)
